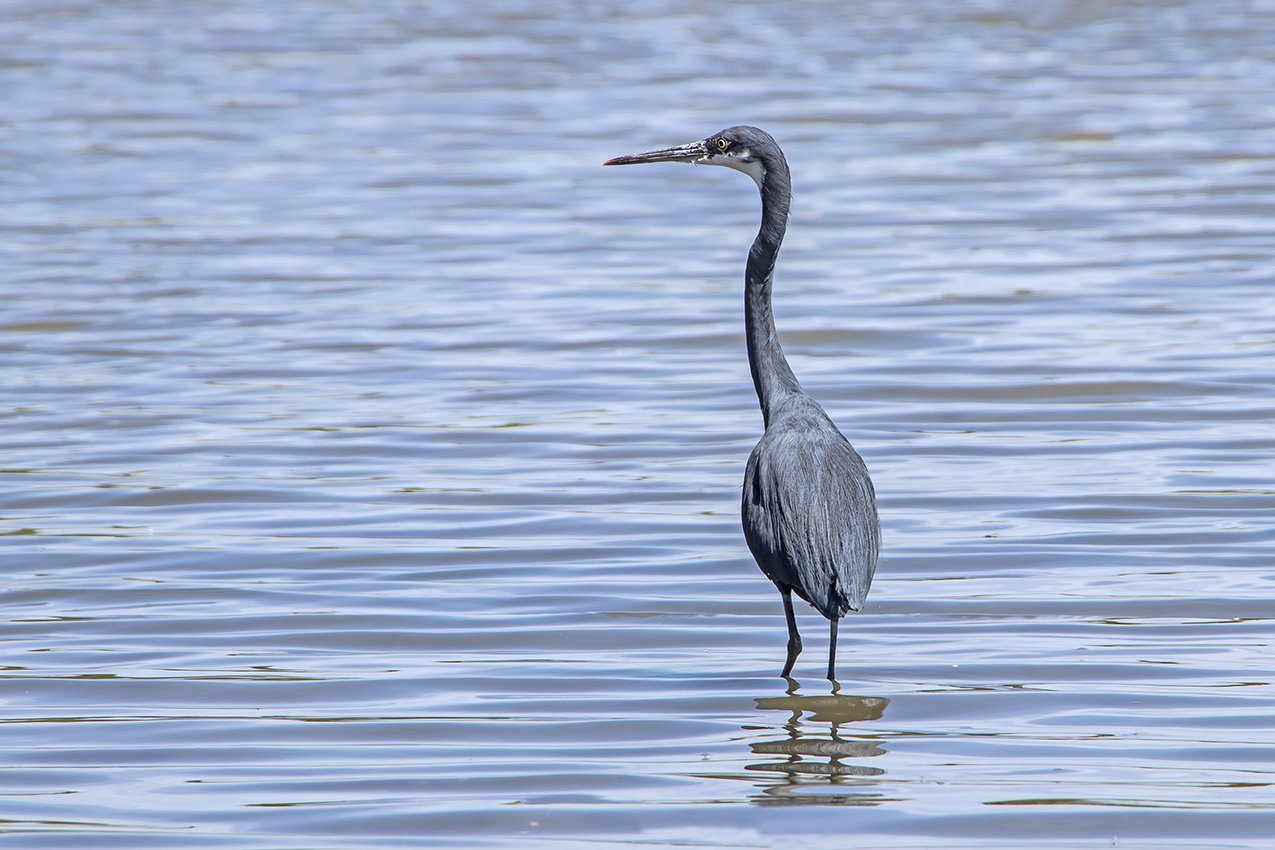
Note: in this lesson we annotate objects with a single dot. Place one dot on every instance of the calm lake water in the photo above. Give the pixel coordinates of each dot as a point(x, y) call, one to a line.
point(371, 455)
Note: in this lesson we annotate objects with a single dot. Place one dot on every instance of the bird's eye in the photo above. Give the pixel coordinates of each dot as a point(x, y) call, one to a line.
point(722, 144)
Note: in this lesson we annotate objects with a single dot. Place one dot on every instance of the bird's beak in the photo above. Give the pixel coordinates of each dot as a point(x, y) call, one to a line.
point(693, 152)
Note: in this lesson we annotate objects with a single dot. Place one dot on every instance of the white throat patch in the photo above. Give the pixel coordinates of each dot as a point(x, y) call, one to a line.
point(752, 167)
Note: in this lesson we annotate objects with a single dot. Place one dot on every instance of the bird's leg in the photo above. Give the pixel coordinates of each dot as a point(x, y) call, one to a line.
point(832, 650)
point(794, 639)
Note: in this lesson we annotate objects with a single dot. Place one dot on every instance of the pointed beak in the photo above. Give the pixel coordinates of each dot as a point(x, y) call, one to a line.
point(682, 153)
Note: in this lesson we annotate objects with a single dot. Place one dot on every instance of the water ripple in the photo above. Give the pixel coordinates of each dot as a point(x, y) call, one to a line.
point(373, 455)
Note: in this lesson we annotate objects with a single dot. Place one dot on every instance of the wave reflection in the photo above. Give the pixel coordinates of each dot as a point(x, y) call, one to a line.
point(819, 764)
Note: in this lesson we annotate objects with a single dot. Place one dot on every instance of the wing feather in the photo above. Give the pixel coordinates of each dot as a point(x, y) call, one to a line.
point(810, 515)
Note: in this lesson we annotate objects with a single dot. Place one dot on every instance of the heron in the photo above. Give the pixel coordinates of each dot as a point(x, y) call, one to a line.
point(808, 506)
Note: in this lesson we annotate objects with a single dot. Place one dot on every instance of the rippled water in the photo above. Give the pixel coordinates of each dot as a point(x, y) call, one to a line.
point(371, 455)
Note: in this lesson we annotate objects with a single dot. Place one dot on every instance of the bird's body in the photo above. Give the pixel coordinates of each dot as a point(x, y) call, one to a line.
point(808, 506)
point(803, 486)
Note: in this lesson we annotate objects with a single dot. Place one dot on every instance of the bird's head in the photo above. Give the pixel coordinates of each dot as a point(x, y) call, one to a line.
point(745, 149)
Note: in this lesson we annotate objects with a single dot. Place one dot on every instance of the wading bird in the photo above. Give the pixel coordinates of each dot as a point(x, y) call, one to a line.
point(809, 510)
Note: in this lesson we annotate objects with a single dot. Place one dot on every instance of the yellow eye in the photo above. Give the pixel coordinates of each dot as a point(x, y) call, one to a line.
point(721, 144)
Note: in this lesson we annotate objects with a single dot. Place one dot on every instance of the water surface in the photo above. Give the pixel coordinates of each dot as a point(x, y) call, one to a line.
point(371, 456)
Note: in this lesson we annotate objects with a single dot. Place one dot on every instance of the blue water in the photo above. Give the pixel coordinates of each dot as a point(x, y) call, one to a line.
point(371, 455)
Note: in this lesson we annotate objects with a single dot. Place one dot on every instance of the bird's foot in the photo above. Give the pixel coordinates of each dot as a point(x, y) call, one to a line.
point(794, 649)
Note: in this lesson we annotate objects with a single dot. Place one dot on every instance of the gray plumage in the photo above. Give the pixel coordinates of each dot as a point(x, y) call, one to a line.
point(809, 509)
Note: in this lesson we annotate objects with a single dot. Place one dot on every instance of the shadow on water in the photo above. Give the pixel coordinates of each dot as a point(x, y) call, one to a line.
point(817, 762)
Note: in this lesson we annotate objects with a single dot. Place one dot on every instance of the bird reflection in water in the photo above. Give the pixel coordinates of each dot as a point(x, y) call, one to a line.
point(818, 764)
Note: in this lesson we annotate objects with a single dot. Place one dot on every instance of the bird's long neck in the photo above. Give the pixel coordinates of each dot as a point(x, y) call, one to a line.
point(772, 376)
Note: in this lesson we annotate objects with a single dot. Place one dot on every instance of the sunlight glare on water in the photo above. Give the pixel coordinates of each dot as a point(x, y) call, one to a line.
point(372, 455)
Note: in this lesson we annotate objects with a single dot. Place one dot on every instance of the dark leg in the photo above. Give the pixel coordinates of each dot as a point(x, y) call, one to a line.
point(832, 650)
point(794, 639)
